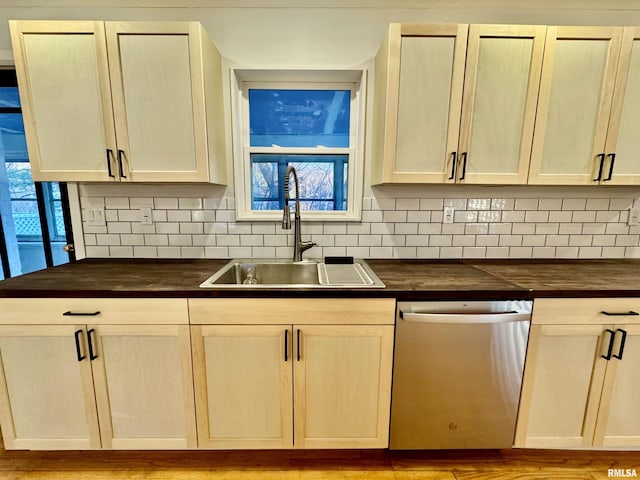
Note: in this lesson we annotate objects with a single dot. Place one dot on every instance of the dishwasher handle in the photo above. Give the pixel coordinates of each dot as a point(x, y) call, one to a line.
point(456, 317)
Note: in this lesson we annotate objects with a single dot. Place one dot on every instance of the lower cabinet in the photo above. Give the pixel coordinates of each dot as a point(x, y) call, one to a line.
point(301, 385)
point(582, 379)
point(91, 386)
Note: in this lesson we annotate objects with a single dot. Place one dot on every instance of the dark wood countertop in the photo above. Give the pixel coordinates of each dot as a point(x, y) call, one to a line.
point(404, 279)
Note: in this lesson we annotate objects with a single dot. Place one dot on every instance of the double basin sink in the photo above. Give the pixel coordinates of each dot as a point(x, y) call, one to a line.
point(286, 274)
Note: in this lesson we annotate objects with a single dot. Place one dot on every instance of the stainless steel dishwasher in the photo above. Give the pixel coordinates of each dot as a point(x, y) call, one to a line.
point(457, 373)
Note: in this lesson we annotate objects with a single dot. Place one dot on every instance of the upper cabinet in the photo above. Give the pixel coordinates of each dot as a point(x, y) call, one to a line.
point(576, 91)
point(589, 108)
point(120, 101)
point(456, 103)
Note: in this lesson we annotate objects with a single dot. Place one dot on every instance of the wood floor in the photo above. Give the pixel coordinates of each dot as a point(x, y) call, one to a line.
point(315, 465)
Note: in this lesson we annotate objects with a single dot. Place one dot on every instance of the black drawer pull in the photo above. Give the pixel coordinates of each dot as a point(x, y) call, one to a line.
point(599, 177)
point(454, 160)
point(630, 313)
point(622, 342)
point(610, 349)
point(92, 354)
point(78, 349)
point(81, 314)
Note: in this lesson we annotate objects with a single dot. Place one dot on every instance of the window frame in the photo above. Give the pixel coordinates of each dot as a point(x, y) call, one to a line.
point(352, 80)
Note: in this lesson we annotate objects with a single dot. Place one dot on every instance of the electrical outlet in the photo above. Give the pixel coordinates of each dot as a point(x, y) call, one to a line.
point(95, 217)
point(145, 216)
point(634, 217)
point(448, 215)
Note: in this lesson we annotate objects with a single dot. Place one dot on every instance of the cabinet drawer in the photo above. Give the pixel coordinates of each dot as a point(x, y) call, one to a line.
point(291, 310)
point(115, 311)
point(585, 311)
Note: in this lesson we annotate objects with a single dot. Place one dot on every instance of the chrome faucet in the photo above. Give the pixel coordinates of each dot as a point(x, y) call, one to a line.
point(298, 245)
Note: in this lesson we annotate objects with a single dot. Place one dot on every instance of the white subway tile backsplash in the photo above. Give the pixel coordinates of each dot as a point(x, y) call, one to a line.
point(476, 228)
point(394, 216)
point(584, 216)
point(406, 229)
point(550, 204)
point(184, 240)
point(203, 216)
point(570, 228)
point(192, 252)
point(140, 202)
point(121, 251)
point(169, 252)
point(479, 204)
point(502, 204)
point(93, 251)
point(431, 204)
point(526, 204)
point(166, 203)
point(116, 202)
point(191, 228)
point(168, 228)
point(190, 203)
point(456, 203)
point(403, 227)
point(574, 204)
point(407, 204)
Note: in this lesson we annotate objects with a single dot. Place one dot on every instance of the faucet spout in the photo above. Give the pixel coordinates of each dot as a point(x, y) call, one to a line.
point(298, 245)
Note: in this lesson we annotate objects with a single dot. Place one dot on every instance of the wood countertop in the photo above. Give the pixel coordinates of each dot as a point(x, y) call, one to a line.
point(404, 279)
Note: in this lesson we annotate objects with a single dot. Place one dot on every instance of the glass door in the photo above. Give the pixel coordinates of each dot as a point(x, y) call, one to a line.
point(35, 230)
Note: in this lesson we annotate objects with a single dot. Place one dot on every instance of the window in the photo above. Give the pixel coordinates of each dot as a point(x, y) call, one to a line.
point(285, 118)
point(26, 243)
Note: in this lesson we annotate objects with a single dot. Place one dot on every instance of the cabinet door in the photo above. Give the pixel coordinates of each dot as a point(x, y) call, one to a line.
point(501, 84)
point(562, 384)
point(46, 393)
point(66, 99)
point(342, 386)
point(243, 382)
point(618, 420)
point(623, 140)
point(158, 98)
point(144, 386)
point(576, 91)
point(424, 75)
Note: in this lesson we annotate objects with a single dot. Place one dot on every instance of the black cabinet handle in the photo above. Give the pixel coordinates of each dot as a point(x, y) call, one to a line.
point(109, 171)
point(610, 349)
point(121, 170)
point(599, 177)
point(298, 342)
point(286, 345)
point(454, 160)
point(92, 354)
point(622, 342)
point(81, 314)
point(78, 349)
point(464, 165)
point(630, 313)
point(613, 161)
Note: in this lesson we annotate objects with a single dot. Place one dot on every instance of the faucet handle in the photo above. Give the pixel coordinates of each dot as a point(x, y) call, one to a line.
point(306, 246)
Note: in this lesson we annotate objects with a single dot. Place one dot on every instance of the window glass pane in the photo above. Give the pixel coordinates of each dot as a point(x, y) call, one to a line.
point(317, 175)
point(299, 118)
point(9, 97)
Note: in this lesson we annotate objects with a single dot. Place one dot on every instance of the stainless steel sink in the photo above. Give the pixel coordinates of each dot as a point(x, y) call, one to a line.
point(287, 274)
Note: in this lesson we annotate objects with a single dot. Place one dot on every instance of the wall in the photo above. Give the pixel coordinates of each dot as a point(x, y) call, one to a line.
point(397, 221)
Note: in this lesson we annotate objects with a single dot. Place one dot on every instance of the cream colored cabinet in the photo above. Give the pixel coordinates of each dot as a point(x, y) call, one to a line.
point(243, 381)
point(267, 382)
point(46, 395)
point(588, 108)
point(120, 101)
point(581, 379)
point(97, 385)
point(439, 121)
